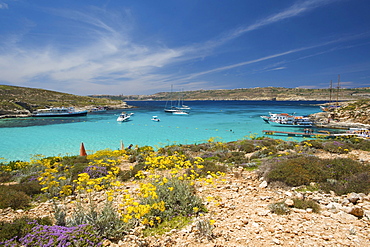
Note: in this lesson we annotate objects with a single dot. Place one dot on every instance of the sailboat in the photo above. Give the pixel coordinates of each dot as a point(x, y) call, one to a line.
point(169, 104)
point(332, 107)
point(179, 108)
point(180, 104)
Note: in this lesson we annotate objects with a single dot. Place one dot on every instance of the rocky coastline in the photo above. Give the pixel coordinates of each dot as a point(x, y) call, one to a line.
point(28, 113)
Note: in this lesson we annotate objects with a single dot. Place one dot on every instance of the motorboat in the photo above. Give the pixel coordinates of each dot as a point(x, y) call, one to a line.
point(287, 120)
point(124, 116)
point(298, 121)
point(276, 117)
point(58, 112)
point(155, 119)
point(99, 109)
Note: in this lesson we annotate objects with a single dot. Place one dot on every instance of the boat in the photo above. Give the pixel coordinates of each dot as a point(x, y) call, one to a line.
point(99, 109)
point(287, 120)
point(296, 121)
point(180, 105)
point(331, 107)
point(171, 107)
point(180, 112)
point(124, 116)
point(276, 117)
point(58, 112)
point(155, 119)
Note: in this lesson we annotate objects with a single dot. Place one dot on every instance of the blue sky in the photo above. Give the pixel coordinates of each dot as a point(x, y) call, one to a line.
point(129, 47)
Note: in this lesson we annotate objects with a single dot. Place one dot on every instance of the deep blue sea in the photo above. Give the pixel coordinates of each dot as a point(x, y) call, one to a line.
point(223, 120)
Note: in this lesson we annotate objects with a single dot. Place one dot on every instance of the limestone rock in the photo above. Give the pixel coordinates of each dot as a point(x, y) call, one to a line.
point(289, 202)
point(263, 184)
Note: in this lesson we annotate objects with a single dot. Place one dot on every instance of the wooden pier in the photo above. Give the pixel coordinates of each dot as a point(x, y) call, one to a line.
point(325, 134)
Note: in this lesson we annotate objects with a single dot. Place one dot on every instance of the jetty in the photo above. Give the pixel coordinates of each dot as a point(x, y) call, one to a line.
point(325, 134)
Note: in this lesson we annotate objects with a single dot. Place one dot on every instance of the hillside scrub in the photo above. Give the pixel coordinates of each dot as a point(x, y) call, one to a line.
point(22, 100)
point(165, 182)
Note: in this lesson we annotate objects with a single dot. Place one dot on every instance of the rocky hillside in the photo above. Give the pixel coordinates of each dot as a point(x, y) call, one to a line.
point(21, 101)
point(358, 111)
point(266, 93)
point(353, 114)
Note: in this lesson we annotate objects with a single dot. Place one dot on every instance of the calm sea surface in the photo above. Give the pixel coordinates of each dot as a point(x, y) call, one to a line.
point(223, 120)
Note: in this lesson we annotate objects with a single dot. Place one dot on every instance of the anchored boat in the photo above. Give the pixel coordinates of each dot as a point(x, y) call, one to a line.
point(58, 112)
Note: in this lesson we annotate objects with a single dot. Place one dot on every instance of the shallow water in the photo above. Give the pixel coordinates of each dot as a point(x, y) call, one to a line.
point(223, 120)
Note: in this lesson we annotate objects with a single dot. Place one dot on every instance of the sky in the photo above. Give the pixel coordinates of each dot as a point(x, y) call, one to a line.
point(132, 47)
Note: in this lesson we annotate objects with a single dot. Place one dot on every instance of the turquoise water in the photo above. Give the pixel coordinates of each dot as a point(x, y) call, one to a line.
point(223, 120)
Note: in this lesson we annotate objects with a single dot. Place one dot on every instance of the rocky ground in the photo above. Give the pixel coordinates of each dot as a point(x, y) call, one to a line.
point(239, 207)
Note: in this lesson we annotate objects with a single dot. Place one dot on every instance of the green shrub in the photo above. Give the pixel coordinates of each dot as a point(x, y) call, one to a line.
point(341, 175)
point(13, 198)
point(20, 227)
point(106, 222)
point(176, 222)
point(208, 167)
point(236, 158)
point(180, 201)
point(359, 183)
point(247, 146)
point(264, 152)
point(317, 144)
point(128, 174)
point(5, 177)
point(294, 170)
point(76, 169)
point(279, 208)
point(285, 145)
point(30, 188)
point(363, 145)
point(341, 168)
point(305, 204)
point(70, 161)
point(337, 147)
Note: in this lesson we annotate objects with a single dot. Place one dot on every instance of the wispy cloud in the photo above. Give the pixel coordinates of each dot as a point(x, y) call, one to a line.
point(295, 10)
point(3, 5)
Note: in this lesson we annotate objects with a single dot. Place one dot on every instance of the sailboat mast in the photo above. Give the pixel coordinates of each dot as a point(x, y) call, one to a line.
point(331, 89)
point(338, 89)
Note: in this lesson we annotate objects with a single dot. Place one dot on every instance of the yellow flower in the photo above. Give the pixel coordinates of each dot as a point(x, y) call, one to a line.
point(171, 188)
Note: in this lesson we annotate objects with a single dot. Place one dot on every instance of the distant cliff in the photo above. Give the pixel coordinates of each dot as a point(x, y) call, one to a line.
point(21, 101)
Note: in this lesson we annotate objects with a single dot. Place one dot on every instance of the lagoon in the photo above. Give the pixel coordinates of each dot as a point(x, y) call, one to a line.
point(225, 121)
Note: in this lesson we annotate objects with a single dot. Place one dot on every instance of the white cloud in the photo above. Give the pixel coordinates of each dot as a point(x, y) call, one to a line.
point(3, 5)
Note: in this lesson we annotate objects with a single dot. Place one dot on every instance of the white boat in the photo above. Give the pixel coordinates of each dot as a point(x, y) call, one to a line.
point(124, 116)
point(171, 107)
point(180, 112)
point(58, 112)
point(99, 109)
point(287, 120)
point(276, 117)
point(155, 119)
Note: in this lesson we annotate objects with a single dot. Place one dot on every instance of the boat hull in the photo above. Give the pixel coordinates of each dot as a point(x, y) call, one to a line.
point(73, 114)
point(299, 125)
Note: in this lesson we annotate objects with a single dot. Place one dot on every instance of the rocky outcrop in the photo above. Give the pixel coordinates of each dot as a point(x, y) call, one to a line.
point(348, 115)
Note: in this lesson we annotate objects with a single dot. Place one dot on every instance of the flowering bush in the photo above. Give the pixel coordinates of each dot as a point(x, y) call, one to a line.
point(61, 236)
point(11, 232)
point(178, 197)
point(337, 147)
